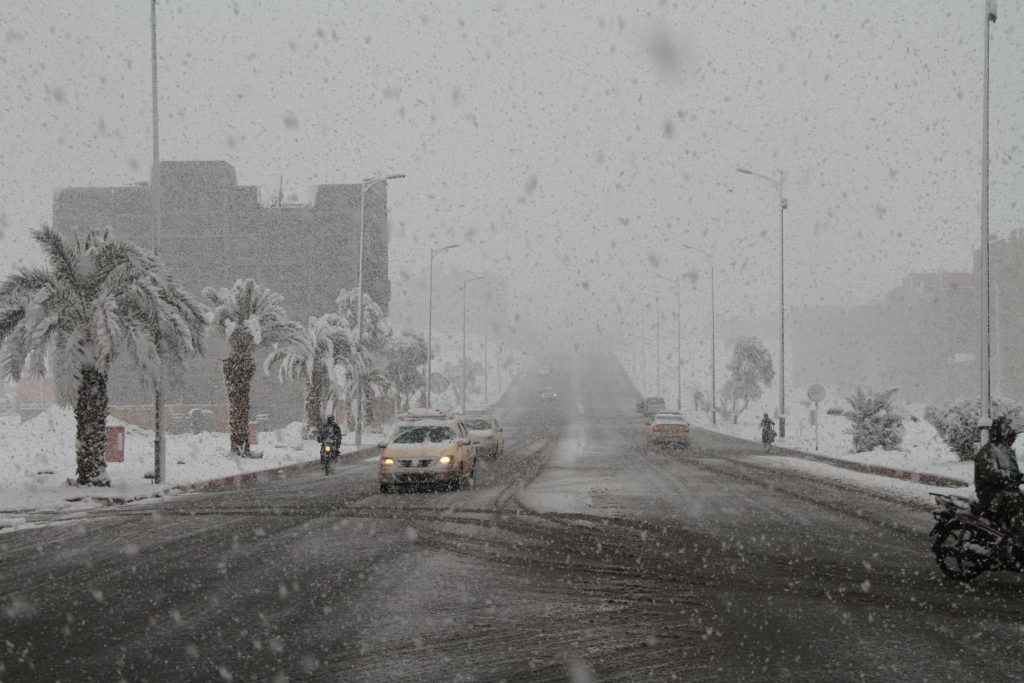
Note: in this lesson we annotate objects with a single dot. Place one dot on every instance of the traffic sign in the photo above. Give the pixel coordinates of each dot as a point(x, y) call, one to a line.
point(816, 393)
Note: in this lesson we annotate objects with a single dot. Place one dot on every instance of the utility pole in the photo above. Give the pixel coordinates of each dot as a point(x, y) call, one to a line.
point(985, 418)
point(159, 451)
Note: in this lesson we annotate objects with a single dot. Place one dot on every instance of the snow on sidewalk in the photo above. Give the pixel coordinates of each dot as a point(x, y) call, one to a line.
point(923, 455)
point(37, 459)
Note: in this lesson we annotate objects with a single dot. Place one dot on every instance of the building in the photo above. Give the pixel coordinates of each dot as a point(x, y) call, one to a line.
point(215, 231)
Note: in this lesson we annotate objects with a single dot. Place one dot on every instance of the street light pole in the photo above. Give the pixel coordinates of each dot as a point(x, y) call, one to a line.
point(985, 417)
point(779, 186)
point(430, 313)
point(711, 263)
point(365, 185)
point(679, 342)
point(464, 283)
point(657, 344)
point(159, 450)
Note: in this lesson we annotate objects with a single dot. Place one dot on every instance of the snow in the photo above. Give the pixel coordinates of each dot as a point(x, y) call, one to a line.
point(37, 460)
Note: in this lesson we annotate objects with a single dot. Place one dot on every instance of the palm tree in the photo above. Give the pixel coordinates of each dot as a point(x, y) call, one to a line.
point(97, 297)
point(325, 343)
point(251, 318)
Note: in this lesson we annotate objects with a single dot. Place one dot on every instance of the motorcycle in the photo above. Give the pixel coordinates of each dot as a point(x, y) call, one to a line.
point(328, 452)
point(767, 437)
point(969, 541)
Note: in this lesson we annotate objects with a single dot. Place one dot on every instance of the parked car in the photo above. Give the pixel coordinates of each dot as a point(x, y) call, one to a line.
point(427, 448)
point(548, 394)
point(668, 429)
point(486, 432)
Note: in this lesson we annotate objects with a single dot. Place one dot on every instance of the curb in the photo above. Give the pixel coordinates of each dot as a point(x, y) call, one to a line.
point(864, 468)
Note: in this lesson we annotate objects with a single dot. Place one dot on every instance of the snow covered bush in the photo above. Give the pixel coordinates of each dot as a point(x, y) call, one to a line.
point(957, 423)
point(876, 421)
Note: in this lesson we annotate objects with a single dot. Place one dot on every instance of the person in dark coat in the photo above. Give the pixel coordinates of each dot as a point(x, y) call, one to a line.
point(330, 432)
point(997, 478)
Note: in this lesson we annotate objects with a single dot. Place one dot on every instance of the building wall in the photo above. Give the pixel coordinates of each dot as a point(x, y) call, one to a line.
point(215, 232)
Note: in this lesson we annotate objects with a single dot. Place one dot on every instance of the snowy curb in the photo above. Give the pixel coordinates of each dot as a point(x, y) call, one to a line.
point(232, 481)
point(880, 470)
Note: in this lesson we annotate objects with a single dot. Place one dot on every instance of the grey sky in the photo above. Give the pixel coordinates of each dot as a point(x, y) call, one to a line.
point(569, 145)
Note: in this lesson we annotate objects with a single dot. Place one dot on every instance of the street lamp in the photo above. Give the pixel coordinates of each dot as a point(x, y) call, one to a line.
point(365, 185)
point(464, 283)
point(430, 312)
point(985, 417)
point(159, 448)
point(711, 263)
point(679, 342)
point(783, 205)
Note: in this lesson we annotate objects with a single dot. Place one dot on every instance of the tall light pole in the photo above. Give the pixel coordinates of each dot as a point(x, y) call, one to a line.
point(783, 204)
point(985, 418)
point(657, 344)
point(711, 263)
point(159, 451)
point(365, 185)
point(464, 283)
point(487, 401)
point(679, 342)
point(430, 313)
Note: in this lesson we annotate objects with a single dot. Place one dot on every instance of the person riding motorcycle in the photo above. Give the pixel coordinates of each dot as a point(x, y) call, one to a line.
point(767, 430)
point(997, 478)
point(330, 432)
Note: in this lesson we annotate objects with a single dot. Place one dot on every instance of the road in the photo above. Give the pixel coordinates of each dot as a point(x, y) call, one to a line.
point(580, 555)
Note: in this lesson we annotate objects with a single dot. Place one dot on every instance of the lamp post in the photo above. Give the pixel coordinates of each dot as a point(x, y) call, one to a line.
point(365, 185)
point(430, 312)
point(159, 451)
point(985, 417)
point(783, 205)
point(657, 344)
point(464, 283)
point(711, 263)
point(679, 342)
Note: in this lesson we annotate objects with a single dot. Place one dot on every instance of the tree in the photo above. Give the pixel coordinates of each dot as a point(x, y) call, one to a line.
point(369, 360)
point(406, 356)
point(97, 298)
point(876, 421)
point(957, 423)
point(251, 318)
point(750, 372)
point(320, 347)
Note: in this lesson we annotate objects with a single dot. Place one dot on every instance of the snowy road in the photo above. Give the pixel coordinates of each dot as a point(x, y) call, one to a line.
point(581, 555)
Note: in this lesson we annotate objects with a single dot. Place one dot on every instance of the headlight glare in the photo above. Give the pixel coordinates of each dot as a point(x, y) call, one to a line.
point(445, 459)
point(387, 462)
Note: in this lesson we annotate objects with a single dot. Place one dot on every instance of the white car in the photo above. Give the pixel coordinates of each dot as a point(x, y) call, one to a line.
point(486, 432)
point(427, 448)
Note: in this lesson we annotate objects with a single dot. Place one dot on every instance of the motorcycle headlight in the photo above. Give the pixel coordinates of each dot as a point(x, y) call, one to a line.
point(387, 462)
point(327, 449)
point(445, 460)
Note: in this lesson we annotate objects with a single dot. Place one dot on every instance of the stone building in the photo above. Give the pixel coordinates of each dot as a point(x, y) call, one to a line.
point(215, 231)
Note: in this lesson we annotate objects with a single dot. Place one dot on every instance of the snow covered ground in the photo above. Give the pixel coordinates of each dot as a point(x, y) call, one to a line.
point(37, 459)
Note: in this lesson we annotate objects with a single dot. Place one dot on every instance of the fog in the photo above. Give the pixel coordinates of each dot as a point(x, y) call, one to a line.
point(570, 147)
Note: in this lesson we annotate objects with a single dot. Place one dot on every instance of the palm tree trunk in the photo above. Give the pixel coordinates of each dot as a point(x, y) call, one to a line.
point(91, 432)
point(238, 371)
point(314, 400)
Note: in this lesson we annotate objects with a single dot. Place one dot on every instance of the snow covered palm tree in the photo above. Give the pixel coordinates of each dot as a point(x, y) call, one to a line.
point(98, 297)
point(325, 343)
point(251, 318)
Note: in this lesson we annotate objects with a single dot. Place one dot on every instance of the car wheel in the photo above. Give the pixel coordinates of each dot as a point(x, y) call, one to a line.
point(457, 484)
point(384, 488)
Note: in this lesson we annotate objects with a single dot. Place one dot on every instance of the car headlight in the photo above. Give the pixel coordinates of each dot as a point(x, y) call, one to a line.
point(445, 459)
point(387, 462)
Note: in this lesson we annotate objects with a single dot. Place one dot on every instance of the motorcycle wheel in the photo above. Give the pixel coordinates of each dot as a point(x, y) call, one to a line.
point(327, 466)
point(955, 560)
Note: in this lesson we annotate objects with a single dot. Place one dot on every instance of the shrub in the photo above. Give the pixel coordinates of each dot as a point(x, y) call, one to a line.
point(834, 410)
point(876, 422)
point(957, 423)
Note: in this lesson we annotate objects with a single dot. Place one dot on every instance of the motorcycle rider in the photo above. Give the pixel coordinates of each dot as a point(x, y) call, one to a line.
point(767, 430)
point(330, 432)
point(997, 478)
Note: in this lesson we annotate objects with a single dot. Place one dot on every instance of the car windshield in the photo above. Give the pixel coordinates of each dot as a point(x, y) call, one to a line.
point(478, 424)
point(670, 419)
point(424, 434)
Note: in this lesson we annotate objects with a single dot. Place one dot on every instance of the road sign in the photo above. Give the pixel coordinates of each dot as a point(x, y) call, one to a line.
point(816, 393)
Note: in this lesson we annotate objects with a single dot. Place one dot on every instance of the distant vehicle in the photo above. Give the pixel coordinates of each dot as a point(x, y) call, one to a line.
point(669, 429)
point(548, 394)
point(486, 432)
point(653, 405)
point(427, 447)
point(544, 370)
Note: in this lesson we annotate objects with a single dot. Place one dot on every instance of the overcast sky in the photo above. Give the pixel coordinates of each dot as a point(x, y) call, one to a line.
point(570, 146)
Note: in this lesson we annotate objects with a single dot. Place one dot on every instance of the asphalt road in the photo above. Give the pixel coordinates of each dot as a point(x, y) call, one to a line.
point(580, 555)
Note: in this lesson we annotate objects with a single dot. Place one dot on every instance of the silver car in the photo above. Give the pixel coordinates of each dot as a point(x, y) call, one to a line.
point(486, 432)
